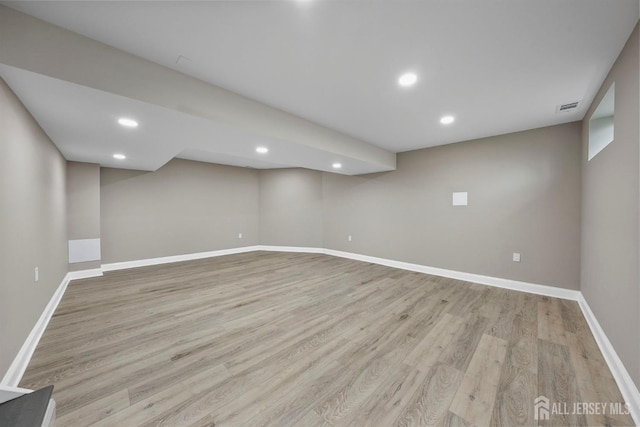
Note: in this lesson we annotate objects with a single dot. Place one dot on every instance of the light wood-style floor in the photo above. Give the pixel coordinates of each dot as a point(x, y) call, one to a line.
point(299, 339)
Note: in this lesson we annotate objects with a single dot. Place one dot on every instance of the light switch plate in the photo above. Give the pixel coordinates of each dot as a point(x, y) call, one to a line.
point(516, 257)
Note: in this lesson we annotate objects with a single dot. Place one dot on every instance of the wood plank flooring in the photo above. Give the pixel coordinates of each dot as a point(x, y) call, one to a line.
point(284, 339)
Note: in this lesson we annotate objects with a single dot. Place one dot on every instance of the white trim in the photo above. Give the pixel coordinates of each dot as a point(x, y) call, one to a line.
point(469, 277)
point(532, 288)
point(626, 385)
point(621, 375)
point(307, 250)
point(21, 361)
point(84, 274)
point(176, 258)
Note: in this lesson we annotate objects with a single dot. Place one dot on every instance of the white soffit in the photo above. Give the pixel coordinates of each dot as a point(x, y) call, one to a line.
point(88, 86)
point(84, 122)
point(497, 66)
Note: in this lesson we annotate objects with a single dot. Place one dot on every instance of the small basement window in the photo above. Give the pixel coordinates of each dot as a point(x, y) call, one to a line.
point(601, 123)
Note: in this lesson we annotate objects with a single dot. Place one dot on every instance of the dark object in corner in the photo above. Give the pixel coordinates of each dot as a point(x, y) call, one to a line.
point(27, 410)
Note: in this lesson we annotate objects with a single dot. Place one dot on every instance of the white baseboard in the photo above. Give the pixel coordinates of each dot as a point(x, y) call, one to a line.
point(85, 274)
point(21, 361)
point(177, 258)
point(621, 375)
point(532, 288)
point(301, 249)
point(626, 385)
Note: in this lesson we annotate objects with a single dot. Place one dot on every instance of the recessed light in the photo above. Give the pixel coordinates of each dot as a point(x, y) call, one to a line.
point(337, 165)
point(262, 150)
point(129, 123)
point(447, 120)
point(119, 156)
point(407, 79)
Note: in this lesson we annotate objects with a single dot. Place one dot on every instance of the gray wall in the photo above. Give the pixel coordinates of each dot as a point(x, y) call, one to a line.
point(524, 193)
point(83, 206)
point(184, 207)
point(610, 215)
point(32, 221)
point(524, 196)
point(291, 207)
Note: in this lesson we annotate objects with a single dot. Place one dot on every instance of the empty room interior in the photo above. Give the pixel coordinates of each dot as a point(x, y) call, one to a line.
point(320, 213)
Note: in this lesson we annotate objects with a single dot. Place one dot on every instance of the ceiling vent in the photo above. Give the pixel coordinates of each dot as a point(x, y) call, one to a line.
point(567, 107)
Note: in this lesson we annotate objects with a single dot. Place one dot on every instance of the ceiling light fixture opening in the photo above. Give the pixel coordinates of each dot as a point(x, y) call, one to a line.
point(119, 156)
point(407, 79)
point(262, 150)
point(129, 123)
point(337, 165)
point(447, 120)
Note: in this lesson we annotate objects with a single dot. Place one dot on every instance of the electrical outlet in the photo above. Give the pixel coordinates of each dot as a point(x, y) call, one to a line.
point(349, 238)
point(239, 235)
point(516, 257)
point(36, 273)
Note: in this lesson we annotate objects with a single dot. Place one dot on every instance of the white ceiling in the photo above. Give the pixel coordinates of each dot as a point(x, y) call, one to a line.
point(85, 126)
point(497, 66)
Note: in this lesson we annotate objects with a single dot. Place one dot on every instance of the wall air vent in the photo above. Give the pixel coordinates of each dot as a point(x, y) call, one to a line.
point(567, 107)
